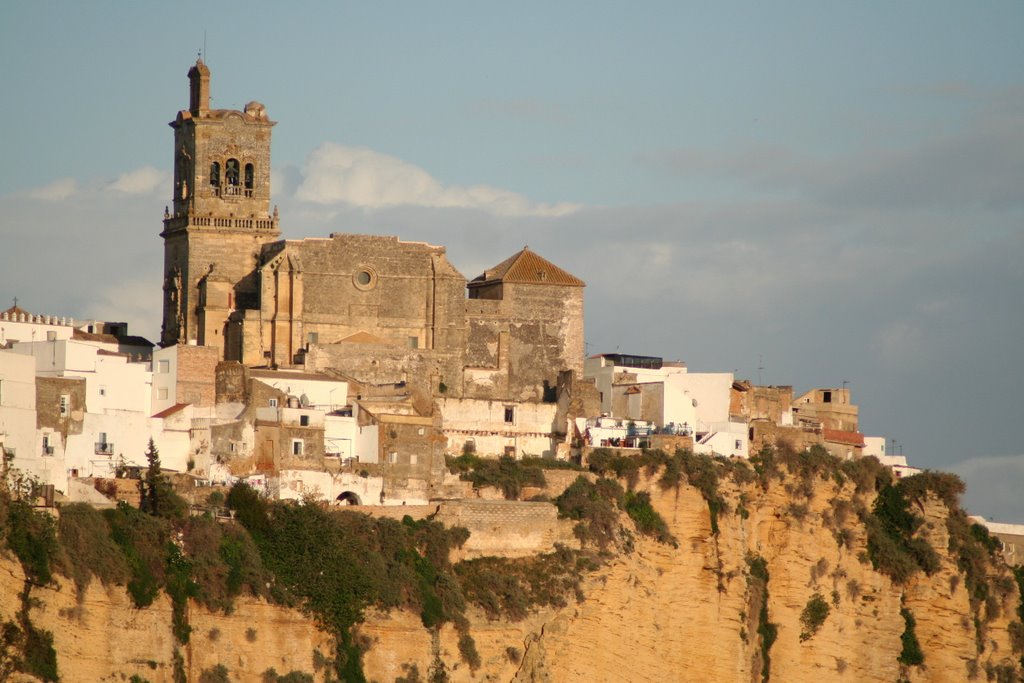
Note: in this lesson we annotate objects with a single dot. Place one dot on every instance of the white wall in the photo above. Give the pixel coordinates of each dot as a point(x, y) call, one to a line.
point(340, 436)
point(484, 422)
point(324, 393)
point(327, 486)
point(11, 330)
point(165, 378)
point(875, 445)
point(711, 391)
point(725, 438)
point(18, 412)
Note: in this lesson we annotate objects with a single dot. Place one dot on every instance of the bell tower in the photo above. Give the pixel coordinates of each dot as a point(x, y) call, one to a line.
point(219, 217)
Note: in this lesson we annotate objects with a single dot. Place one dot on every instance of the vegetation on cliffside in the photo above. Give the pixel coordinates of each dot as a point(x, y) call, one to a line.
point(336, 564)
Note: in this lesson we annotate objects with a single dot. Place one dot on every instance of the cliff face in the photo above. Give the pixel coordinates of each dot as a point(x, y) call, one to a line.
point(691, 613)
point(659, 613)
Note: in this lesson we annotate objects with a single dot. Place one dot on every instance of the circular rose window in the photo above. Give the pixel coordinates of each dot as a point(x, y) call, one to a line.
point(364, 278)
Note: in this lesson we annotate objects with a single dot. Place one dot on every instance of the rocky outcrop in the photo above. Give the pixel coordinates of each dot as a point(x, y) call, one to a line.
point(658, 613)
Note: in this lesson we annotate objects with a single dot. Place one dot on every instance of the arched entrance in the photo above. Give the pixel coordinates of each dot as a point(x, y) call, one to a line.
point(348, 498)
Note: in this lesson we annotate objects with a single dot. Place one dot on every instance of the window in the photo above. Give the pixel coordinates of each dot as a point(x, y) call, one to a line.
point(297, 446)
point(393, 457)
point(510, 451)
point(103, 438)
point(412, 459)
point(510, 414)
point(231, 446)
point(304, 420)
point(414, 342)
point(312, 337)
point(103, 391)
point(272, 403)
point(65, 405)
point(231, 172)
point(163, 367)
point(248, 176)
point(215, 174)
point(739, 444)
point(364, 278)
point(826, 396)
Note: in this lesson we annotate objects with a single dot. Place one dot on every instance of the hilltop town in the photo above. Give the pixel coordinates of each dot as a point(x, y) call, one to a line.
point(344, 369)
point(503, 474)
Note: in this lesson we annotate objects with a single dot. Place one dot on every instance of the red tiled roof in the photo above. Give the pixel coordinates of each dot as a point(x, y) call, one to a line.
point(839, 436)
point(16, 310)
point(177, 407)
point(527, 267)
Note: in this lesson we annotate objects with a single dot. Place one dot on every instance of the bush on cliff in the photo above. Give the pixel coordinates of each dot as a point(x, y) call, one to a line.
point(506, 474)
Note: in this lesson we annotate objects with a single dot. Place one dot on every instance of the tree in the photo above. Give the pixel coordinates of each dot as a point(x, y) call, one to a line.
point(156, 495)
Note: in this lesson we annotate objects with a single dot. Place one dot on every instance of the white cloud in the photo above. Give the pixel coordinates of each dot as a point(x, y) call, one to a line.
point(56, 191)
point(136, 301)
point(362, 177)
point(140, 181)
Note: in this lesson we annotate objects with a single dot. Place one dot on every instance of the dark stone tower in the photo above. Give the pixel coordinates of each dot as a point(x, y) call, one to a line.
point(220, 216)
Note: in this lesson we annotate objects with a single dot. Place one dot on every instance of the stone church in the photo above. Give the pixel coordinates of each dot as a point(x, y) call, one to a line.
point(378, 309)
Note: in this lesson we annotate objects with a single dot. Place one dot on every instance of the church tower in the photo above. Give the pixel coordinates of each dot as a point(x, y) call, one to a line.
point(219, 218)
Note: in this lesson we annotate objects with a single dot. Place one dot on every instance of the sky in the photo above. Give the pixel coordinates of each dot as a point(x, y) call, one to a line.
point(806, 193)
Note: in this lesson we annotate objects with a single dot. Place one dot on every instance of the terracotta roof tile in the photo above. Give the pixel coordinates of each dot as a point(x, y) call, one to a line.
point(16, 310)
point(177, 407)
point(527, 267)
point(839, 436)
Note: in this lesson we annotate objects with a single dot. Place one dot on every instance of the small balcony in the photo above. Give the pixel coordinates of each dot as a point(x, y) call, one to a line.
point(104, 448)
point(47, 450)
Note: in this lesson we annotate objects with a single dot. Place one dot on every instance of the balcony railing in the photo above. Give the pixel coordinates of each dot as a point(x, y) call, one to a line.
point(47, 450)
point(229, 190)
point(104, 448)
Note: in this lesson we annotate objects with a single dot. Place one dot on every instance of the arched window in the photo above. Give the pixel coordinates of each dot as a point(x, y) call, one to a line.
point(248, 176)
point(231, 172)
point(215, 174)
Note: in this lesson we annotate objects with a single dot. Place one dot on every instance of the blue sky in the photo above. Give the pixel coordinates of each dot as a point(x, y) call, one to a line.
point(835, 188)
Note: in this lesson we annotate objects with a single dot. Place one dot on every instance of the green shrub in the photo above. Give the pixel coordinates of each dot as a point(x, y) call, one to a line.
point(336, 563)
point(911, 654)
point(271, 676)
point(215, 674)
point(510, 588)
point(506, 474)
point(87, 549)
point(33, 538)
point(143, 539)
point(648, 521)
point(594, 505)
point(947, 486)
point(766, 631)
point(468, 653)
point(813, 616)
point(156, 494)
point(40, 657)
point(180, 588)
point(892, 547)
